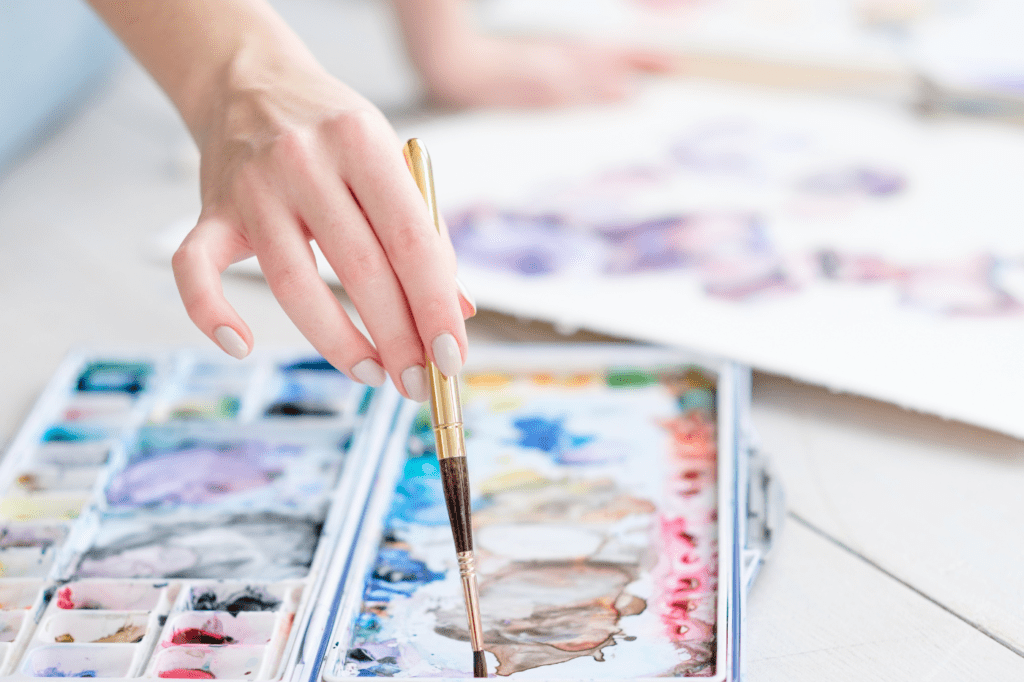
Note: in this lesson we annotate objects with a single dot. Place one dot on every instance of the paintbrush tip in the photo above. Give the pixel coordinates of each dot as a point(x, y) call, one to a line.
point(479, 664)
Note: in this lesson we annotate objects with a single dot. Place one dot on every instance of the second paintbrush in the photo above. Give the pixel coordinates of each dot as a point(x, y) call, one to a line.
point(446, 413)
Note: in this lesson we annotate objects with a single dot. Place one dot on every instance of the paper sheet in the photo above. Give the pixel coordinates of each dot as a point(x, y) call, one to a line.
point(843, 244)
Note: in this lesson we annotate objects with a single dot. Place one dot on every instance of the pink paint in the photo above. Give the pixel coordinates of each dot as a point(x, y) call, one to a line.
point(64, 600)
point(686, 575)
point(187, 674)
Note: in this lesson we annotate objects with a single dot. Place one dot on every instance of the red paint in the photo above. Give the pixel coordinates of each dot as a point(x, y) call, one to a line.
point(199, 636)
point(188, 674)
point(64, 599)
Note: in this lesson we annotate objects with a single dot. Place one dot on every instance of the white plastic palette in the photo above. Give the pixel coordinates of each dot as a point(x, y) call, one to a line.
point(183, 515)
point(177, 445)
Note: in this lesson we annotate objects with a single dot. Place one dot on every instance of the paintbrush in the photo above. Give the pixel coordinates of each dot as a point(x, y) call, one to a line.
point(446, 412)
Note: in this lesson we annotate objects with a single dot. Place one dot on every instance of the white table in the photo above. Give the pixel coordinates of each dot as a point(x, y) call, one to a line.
point(902, 555)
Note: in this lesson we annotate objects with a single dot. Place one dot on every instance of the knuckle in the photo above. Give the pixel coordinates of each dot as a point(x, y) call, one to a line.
point(289, 281)
point(364, 267)
point(410, 240)
point(437, 308)
point(293, 149)
point(358, 127)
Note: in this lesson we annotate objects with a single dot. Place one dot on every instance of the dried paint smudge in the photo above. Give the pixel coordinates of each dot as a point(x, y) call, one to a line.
point(249, 598)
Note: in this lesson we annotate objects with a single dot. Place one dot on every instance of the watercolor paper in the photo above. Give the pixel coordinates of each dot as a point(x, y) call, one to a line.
point(841, 243)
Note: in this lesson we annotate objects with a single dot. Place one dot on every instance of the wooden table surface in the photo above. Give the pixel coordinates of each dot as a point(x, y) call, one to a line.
point(901, 558)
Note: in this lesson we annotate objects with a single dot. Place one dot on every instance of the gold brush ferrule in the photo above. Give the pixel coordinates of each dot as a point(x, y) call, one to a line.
point(446, 413)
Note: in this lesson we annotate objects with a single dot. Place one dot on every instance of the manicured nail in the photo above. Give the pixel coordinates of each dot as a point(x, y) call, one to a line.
point(415, 381)
point(466, 295)
point(368, 372)
point(231, 342)
point(447, 355)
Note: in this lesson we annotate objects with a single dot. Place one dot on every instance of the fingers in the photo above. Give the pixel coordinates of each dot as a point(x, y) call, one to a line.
point(290, 269)
point(420, 258)
point(198, 263)
point(355, 253)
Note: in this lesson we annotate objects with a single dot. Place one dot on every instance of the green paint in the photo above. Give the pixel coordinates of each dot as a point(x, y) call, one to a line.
point(629, 377)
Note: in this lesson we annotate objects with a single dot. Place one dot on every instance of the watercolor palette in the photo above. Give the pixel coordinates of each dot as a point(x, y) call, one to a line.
point(620, 512)
point(171, 514)
point(182, 515)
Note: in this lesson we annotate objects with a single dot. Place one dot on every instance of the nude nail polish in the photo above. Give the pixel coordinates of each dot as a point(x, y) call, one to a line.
point(231, 342)
point(415, 381)
point(368, 372)
point(447, 355)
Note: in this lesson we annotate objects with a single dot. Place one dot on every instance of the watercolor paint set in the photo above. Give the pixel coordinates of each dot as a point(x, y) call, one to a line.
point(180, 514)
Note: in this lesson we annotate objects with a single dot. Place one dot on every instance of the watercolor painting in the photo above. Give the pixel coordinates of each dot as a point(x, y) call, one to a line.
point(841, 243)
point(595, 533)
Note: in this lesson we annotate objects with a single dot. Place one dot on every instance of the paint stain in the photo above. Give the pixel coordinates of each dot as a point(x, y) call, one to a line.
point(114, 377)
point(299, 408)
point(200, 636)
point(187, 674)
point(250, 598)
point(54, 671)
point(551, 437)
point(396, 573)
point(129, 633)
point(545, 613)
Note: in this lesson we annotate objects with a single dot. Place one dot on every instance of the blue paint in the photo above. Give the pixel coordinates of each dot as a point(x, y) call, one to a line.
point(419, 496)
point(697, 399)
point(66, 433)
point(114, 377)
point(316, 364)
point(397, 573)
point(549, 436)
point(54, 671)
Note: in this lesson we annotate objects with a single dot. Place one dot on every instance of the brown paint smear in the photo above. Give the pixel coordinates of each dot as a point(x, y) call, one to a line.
point(551, 612)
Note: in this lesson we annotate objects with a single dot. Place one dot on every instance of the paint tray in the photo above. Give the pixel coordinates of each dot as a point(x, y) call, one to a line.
point(621, 512)
point(171, 513)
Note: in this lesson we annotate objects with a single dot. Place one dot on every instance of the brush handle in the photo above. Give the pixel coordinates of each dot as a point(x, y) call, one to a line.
point(455, 480)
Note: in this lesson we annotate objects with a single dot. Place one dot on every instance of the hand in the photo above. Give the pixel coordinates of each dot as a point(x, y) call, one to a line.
point(290, 154)
point(479, 70)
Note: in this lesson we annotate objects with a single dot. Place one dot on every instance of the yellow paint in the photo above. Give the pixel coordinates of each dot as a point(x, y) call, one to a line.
point(488, 379)
point(517, 479)
point(41, 507)
point(509, 404)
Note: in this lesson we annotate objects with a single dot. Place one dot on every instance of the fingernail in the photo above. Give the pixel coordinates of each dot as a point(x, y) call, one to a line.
point(466, 295)
point(231, 342)
point(447, 355)
point(415, 381)
point(368, 372)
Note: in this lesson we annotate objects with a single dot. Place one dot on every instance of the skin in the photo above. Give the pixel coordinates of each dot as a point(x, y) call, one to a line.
point(290, 154)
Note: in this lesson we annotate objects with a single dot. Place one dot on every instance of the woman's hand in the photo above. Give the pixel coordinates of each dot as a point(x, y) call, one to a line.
point(290, 154)
point(299, 156)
